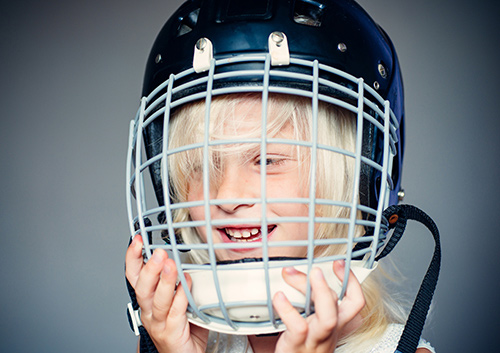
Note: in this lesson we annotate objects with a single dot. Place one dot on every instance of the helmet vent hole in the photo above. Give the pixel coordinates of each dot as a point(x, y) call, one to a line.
point(308, 12)
point(188, 22)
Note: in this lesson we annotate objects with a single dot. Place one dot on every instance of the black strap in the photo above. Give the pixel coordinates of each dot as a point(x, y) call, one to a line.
point(146, 344)
point(398, 216)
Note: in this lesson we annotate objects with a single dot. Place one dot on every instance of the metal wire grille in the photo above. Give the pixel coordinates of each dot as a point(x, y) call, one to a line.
point(312, 80)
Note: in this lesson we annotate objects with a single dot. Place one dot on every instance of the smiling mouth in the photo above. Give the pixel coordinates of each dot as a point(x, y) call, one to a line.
point(245, 234)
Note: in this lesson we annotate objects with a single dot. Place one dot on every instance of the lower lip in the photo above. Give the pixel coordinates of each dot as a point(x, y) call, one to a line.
point(225, 239)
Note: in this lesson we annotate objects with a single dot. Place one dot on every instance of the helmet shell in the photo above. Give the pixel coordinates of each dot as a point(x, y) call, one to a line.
point(338, 33)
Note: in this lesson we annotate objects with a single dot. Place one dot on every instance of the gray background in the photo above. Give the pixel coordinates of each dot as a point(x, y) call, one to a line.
point(70, 79)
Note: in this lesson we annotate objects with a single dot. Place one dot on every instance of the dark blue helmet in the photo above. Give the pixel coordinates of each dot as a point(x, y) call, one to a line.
point(324, 50)
point(337, 33)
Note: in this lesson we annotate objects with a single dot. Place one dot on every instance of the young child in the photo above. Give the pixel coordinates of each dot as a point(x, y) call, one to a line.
point(272, 133)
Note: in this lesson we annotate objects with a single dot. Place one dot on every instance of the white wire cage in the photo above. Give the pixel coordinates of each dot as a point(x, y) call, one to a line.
point(236, 296)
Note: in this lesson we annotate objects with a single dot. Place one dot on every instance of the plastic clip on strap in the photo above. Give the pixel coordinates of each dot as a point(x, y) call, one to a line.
point(134, 318)
point(398, 215)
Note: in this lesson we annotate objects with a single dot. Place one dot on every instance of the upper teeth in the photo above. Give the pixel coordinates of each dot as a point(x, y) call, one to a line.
point(242, 233)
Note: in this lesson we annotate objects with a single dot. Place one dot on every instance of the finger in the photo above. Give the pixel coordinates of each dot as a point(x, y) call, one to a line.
point(133, 260)
point(165, 291)
point(296, 325)
point(354, 300)
point(177, 319)
point(324, 298)
point(325, 304)
point(148, 280)
point(295, 278)
point(180, 302)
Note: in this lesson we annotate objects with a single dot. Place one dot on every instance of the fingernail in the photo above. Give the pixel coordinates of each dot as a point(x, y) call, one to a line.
point(166, 270)
point(157, 257)
point(280, 296)
point(136, 242)
point(290, 271)
point(318, 274)
point(339, 264)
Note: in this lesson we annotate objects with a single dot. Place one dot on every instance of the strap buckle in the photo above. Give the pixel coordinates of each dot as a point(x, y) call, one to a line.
point(134, 318)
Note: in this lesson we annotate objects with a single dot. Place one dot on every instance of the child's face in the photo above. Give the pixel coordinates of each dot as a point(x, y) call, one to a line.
point(240, 178)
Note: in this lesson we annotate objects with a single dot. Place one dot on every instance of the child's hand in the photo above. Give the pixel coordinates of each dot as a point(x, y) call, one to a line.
point(163, 306)
point(318, 332)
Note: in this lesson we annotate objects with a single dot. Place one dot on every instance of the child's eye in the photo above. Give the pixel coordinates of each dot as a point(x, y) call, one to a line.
point(274, 164)
point(271, 161)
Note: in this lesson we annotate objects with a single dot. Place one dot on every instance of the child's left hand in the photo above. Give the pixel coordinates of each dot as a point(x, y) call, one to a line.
point(320, 331)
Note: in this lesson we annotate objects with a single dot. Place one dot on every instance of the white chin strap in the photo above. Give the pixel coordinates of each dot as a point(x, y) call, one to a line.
point(246, 296)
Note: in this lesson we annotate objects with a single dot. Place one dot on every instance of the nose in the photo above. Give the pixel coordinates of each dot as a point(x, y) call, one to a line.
point(237, 185)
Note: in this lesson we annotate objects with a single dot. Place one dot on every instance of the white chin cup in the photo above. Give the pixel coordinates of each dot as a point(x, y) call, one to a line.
point(243, 289)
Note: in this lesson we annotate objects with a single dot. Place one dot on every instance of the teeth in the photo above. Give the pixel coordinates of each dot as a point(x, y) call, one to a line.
point(243, 234)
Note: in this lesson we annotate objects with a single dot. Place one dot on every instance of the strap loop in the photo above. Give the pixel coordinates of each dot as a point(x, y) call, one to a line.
point(416, 320)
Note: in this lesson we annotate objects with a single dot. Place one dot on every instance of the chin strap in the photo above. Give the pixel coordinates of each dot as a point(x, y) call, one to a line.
point(398, 215)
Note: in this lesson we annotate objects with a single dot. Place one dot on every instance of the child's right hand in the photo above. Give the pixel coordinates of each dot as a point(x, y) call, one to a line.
point(163, 306)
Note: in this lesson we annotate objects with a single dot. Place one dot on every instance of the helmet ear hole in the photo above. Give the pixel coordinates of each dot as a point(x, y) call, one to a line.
point(309, 13)
point(187, 23)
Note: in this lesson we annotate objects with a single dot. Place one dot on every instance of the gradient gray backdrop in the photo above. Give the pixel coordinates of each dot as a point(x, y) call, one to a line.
point(70, 79)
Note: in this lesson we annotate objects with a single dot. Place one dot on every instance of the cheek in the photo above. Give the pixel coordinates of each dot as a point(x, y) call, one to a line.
point(194, 190)
point(196, 213)
point(299, 210)
point(195, 193)
point(293, 187)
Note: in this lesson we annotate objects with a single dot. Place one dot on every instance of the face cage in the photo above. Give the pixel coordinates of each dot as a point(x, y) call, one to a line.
point(237, 297)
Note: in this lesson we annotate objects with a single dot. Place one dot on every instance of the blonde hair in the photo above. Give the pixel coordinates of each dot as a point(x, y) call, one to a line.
point(334, 179)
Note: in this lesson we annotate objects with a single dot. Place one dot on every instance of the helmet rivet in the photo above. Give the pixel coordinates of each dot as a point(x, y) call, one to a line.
point(401, 195)
point(277, 37)
point(382, 70)
point(342, 47)
point(376, 85)
point(393, 219)
point(201, 44)
point(158, 58)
